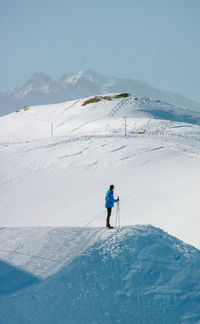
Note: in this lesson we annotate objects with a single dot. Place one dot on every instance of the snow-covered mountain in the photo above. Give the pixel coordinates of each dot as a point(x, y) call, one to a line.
point(41, 89)
point(58, 262)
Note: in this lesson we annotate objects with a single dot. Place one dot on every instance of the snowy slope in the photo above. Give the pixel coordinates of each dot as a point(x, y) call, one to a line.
point(133, 275)
point(61, 181)
point(58, 264)
point(71, 118)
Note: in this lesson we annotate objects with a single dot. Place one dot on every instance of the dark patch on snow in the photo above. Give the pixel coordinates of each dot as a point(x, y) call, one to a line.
point(180, 115)
point(14, 279)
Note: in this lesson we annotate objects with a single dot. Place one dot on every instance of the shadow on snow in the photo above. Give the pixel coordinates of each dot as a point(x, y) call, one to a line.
point(13, 279)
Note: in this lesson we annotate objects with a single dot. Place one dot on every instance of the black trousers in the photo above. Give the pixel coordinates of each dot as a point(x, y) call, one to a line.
point(109, 210)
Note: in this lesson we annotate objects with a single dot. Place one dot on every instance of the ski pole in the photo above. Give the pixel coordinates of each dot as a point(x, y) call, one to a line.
point(117, 217)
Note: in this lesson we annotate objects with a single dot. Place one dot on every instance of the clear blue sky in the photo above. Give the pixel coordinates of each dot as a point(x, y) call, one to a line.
point(157, 41)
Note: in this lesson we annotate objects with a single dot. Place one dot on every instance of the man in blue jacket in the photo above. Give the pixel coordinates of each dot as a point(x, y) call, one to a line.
point(109, 204)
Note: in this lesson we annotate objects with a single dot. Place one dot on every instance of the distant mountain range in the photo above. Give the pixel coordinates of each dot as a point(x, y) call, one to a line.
point(41, 89)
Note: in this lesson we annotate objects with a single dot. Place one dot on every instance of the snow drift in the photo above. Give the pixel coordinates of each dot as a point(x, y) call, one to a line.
point(131, 275)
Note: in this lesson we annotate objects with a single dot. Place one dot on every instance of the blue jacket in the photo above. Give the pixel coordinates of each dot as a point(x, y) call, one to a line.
point(110, 199)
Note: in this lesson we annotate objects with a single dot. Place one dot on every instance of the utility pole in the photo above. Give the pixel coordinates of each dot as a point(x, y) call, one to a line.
point(125, 126)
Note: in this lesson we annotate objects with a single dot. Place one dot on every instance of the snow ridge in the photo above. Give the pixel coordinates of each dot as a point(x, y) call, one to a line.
point(131, 275)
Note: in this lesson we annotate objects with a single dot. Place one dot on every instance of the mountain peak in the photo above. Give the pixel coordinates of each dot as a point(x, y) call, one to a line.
point(74, 78)
point(40, 76)
point(90, 76)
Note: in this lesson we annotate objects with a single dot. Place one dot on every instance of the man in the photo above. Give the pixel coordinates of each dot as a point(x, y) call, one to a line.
point(109, 204)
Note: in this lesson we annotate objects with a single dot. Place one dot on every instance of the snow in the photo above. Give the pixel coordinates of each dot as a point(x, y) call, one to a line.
point(73, 79)
point(132, 275)
point(56, 256)
point(156, 174)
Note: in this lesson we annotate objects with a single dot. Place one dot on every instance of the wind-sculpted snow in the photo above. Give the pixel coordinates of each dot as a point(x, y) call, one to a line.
point(130, 275)
point(138, 106)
